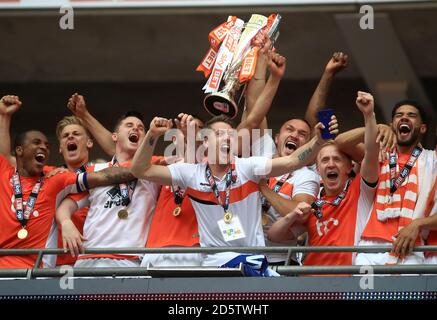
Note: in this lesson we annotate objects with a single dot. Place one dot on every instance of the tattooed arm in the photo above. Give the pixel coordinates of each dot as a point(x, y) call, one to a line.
point(141, 166)
point(303, 156)
point(109, 176)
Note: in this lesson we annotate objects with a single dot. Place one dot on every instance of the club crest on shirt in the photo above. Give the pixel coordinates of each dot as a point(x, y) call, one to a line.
point(324, 226)
point(115, 198)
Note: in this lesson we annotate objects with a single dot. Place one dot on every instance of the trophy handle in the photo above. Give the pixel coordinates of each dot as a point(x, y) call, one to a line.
point(220, 103)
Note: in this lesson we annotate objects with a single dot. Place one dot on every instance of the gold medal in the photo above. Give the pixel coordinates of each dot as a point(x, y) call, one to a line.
point(228, 217)
point(123, 214)
point(177, 211)
point(265, 219)
point(22, 234)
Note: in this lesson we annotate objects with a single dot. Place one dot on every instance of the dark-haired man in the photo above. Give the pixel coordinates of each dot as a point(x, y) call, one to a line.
point(118, 215)
point(301, 185)
point(405, 181)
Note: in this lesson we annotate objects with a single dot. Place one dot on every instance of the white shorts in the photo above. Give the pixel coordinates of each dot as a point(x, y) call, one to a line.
point(431, 260)
point(106, 263)
point(172, 259)
point(380, 259)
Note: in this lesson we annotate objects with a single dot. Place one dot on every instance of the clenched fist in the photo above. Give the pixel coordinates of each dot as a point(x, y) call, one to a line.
point(77, 105)
point(9, 104)
point(338, 62)
point(365, 102)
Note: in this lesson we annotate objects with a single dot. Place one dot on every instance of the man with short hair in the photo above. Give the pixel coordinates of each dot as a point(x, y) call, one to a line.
point(118, 215)
point(406, 179)
point(301, 185)
point(75, 144)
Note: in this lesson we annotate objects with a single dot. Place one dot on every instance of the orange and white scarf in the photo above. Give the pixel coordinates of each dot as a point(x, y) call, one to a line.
point(418, 184)
point(399, 207)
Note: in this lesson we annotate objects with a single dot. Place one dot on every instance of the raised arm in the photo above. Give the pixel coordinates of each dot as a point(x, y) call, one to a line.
point(103, 137)
point(258, 81)
point(141, 166)
point(304, 155)
point(352, 142)
point(369, 166)
point(337, 63)
point(276, 64)
point(8, 106)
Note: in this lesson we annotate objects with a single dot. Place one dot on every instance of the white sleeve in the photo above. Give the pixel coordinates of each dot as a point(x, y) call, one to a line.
point(253, 168)
point(181, 173)
point(259, 168)
point(364, 208)
point(264, 147)
point(306, 182)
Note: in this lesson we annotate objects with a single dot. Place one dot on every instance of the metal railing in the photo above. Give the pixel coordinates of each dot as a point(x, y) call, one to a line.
point(36, 271)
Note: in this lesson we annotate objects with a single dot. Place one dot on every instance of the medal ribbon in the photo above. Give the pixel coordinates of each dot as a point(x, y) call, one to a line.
point(23, 217)
point(396, 182)
point(178, 194)
point(318, 203)
point(229, 179)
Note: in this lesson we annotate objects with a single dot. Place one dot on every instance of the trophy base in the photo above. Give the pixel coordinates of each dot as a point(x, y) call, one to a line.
point(219, 103)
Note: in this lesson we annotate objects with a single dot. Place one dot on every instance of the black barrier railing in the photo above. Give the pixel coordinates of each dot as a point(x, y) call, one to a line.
point(212, 271)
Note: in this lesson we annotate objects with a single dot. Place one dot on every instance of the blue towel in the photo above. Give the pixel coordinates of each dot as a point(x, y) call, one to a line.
point(254, 265)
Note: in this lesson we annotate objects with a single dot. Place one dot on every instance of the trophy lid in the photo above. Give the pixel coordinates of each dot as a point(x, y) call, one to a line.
point(220, 103)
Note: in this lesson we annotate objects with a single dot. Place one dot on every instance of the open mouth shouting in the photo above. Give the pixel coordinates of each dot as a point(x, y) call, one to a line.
point(134, 137)
point(40, 158)
point(332, 175)
point(404, 129)
point(290, 146)
point(225, 148)
point(71, 146)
